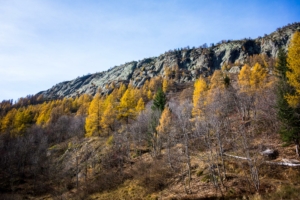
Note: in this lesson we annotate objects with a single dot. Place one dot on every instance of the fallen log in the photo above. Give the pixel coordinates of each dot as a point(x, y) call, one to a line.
point(285, 162)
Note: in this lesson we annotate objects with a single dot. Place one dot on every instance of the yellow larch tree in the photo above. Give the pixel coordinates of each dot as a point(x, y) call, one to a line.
point(155, 83)
point(121, 90)
point(108, 118)
point(45, 113)
point(66, 105)
point(244, 78)
point(75, 104)
point(126, 109)
point(149, 95)
point(165, 85)
point(7, 121)
point(145, 89)
point(163, 130)
point(217, 80)
point(109, 113)
point(293, 74)
point(168, 72)
point(92, 123)
point(22, 120)
point(199, 96)
point(137, 94)
point(83, 104)
point(140, 105)
point(164, 121)
point(258, 77)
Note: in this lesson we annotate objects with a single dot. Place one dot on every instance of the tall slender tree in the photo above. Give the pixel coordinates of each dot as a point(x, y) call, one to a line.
point(293, 73)
point(199, 96)
point(287, 109)
point(127, 106)
point(159, 100)
point(92, 124)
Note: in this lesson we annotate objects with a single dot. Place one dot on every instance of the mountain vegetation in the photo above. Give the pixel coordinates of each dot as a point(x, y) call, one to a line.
point(220, 131)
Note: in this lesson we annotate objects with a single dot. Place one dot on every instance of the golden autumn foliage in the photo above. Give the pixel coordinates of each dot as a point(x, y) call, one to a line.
point(155, 83)
point(149, 95)
point(83, 103)
point(251, 80)
point(108, 118)
point(7, 121)
point(143, 90)
point(92, 125)
point(23, 118)
point(168, 72)
point(140, 105)
point(101, 112)
point(244, 78)
point(45, 113)
point(164, 121)
point(165, 86)
point(121, 90)
point(199, 96)
point(293, 75)
point(217, 79)
point(258, 76)
point(127, 105)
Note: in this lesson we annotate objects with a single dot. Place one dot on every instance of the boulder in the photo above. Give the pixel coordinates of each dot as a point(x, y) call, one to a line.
point(270, 153)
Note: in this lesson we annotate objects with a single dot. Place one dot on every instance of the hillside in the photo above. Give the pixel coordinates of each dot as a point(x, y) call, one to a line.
point(172, 127)
point(191, 62)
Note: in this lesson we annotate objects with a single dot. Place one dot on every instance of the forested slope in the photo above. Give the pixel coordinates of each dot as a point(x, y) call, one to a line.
point(230, 133)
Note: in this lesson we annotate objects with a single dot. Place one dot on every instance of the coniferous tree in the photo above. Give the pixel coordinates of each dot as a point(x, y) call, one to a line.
point(149, 94)
point(199, 96)
point(8, 120)
point(127, 106)
point(92, 124)
point(164, 122)
point(293, 74)
point(83, 104)
point(244, 78)
point(165, 85)
point(140, 105)
point(108, 118)
point(281, 65)
point(159, 100)
point(217, 79)
point(45, 113)
point(258, 76)
point(289, 127)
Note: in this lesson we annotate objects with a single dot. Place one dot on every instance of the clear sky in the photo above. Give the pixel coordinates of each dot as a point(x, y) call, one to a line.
point(44, 42)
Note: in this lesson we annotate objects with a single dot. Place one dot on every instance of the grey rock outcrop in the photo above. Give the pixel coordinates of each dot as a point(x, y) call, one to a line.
point(234, 70)
point(189, 62)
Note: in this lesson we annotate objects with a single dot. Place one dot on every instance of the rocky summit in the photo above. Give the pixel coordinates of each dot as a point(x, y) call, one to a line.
point(190, 61)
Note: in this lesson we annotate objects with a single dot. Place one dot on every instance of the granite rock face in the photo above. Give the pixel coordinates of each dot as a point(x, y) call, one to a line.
point(190, 63)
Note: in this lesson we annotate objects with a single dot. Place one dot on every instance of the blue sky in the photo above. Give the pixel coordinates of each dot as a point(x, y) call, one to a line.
point(44, 42)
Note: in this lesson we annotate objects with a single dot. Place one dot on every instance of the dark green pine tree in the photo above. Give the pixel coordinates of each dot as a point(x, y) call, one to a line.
point(159, 100)
point(281, 65)
point(289, 128)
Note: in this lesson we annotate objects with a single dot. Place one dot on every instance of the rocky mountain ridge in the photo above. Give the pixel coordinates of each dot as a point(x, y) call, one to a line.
point(189, 62)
